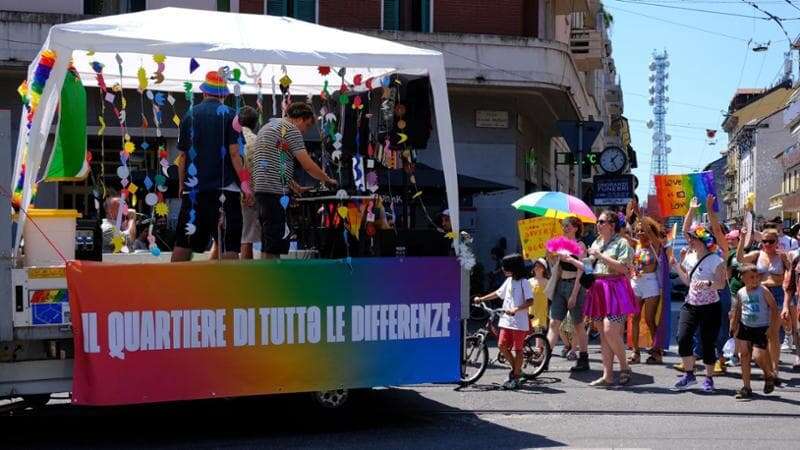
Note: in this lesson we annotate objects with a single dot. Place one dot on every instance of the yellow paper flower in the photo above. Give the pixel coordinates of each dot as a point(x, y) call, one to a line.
point(129, 147)
point(162, 209)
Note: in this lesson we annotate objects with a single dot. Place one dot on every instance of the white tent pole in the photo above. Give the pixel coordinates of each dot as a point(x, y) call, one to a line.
point(444, 131)
point(40, 129)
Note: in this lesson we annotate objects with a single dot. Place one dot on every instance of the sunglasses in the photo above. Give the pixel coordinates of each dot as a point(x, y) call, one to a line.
point(769, 241)
point(603, 222)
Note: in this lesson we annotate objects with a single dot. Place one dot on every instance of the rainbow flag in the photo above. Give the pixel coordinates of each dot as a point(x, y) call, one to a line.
point(674, 192)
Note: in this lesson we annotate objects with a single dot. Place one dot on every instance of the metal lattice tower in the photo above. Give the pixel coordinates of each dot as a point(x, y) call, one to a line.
point(659, 100)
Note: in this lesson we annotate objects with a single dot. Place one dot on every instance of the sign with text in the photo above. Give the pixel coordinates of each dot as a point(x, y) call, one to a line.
point(534, 234)
point(491, 119)
point(612, 190)
point(166, 332)
point(674, 192)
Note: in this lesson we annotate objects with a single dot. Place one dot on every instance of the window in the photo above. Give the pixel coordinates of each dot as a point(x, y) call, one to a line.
point(407, 15)
point(299, 9)
point(224, 5)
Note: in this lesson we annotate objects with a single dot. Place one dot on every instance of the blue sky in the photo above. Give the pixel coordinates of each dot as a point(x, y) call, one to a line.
point(705, 68)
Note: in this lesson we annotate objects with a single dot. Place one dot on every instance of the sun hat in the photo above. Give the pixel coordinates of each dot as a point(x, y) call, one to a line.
point(214, 85)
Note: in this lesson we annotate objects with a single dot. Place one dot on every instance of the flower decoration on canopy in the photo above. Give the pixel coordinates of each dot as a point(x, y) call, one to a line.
point(324, 70)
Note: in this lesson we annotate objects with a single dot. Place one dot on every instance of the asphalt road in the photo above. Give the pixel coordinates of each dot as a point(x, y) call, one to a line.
point(558, 409)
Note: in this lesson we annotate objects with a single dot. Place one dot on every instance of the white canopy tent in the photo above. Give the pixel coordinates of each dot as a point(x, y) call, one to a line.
point(259, 45)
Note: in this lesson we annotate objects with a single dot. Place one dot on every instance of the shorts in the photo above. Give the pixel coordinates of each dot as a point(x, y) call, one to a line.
point(511, 339)
point(251, 227)
point(646, 286)
point(558, 304)
point(206, 221)
point(755, 335)
point(272, 218)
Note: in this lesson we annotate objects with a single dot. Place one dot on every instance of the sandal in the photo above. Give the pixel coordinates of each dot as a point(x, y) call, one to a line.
point(654, 358)
point(601, 383)
point(625, 377)
point(635, 358)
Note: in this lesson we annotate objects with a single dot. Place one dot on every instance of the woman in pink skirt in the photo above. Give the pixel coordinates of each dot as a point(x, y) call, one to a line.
point(610, 298)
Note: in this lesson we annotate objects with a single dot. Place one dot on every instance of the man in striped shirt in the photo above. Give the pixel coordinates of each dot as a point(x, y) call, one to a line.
point(279, 144)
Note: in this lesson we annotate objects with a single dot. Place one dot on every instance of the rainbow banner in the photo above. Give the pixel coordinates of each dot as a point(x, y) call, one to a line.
point(165, 332)
point(674, 192)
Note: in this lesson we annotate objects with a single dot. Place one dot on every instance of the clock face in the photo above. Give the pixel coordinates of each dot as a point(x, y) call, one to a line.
point(613, 160)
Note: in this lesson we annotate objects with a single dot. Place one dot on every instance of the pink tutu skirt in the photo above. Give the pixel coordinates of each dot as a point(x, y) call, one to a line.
point(610, 296)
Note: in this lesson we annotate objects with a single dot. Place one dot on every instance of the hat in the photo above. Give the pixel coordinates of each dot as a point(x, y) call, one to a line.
point(214, 85)
point(541, 261)
point(446, 212)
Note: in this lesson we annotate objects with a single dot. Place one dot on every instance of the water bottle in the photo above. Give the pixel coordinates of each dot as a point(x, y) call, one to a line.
point(587, 267)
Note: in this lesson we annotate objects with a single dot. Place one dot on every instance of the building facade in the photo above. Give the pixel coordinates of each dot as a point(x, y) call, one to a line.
point(514, 68)
point(756, 138)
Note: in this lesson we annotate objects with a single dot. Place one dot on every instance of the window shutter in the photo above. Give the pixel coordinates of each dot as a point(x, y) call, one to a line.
point(224, 5)
point(391, 14)
point(425, 15)
point(305, 10)
point(276, 7)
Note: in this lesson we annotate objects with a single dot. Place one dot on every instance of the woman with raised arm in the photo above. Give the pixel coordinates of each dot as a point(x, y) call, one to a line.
point(703, 270)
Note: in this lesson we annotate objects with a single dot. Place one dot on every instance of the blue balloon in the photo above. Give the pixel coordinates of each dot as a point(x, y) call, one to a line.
point(285, 201)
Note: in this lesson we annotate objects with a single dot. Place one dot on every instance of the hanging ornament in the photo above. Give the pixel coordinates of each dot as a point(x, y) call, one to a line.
point(324, 70)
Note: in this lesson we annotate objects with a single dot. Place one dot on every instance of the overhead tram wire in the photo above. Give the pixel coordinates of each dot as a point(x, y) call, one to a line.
point(771, 16)
point(659, 19)
point(674, 101)
point(707, 11)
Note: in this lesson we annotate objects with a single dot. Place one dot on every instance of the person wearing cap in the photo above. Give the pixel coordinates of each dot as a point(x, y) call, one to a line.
point(278, 146)
point(212, 176)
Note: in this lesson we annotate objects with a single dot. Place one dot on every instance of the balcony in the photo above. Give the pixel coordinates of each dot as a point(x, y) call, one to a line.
point(587, 49)
point(564, 7)
point(502, 62)
point(26, 31)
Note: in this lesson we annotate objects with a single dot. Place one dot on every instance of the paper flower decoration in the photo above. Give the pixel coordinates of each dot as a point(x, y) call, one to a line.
point(162, 209)
point(324, 70)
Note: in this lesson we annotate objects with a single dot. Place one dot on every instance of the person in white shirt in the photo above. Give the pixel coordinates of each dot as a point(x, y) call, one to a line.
point(127, 225)
point(517, 296)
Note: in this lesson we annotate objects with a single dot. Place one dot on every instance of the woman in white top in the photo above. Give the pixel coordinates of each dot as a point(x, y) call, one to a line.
point(704, 272)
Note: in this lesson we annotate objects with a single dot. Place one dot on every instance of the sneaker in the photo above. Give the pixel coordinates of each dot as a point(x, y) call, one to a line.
point(708, 385)
point(511, 385)
point(787, 342)
point(572, 356)
point(744, 394)
point(720, 368)
point(687, 380)
point(796, 364)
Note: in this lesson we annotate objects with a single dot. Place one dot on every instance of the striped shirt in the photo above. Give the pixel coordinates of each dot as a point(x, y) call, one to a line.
point(268, 175)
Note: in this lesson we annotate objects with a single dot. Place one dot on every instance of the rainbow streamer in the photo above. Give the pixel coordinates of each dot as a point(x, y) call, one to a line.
point(31, 93)
point(674, 192)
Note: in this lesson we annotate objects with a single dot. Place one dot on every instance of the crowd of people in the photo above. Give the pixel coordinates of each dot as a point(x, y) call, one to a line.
point(742, 285)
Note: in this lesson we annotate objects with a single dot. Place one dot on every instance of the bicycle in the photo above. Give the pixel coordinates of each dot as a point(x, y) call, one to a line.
point(475, 357)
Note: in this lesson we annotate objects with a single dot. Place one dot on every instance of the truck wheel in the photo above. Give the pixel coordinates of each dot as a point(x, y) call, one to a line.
point(36, 400)
point(332, 399)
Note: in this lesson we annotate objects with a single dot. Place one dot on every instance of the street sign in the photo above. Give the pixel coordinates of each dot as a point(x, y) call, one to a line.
point(580, 135)
point(612, 190)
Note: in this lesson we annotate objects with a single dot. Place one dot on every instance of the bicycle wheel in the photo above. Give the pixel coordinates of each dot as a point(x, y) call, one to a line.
point(475, 359)
point(535, 358)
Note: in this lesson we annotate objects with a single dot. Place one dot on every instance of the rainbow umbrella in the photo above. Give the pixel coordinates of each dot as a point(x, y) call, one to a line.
point(555, 204)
